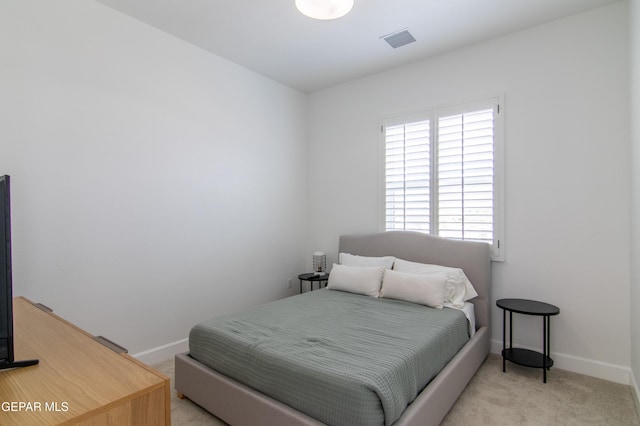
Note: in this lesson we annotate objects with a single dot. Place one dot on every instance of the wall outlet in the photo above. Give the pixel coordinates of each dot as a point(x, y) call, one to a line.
point(289, 283)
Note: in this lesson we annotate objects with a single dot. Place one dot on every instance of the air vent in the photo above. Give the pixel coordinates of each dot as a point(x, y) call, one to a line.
point(399, 38)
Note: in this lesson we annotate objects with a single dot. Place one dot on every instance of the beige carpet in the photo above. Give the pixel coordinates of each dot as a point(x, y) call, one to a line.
point(517, 397)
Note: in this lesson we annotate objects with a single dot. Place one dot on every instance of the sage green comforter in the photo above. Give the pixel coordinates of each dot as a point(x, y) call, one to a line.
point(341, 358)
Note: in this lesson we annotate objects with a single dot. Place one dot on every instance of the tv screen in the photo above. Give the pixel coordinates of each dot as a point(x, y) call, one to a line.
point(6, 301)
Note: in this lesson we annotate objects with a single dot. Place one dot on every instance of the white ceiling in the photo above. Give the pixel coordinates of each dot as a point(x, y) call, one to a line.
point(272, 38)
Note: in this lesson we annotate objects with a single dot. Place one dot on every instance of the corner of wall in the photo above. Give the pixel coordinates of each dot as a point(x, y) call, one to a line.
point(634, 52)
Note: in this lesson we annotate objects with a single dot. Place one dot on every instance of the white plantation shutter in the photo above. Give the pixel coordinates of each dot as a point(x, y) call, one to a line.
point(408, 176)
point(441, 173)
point(465, 176)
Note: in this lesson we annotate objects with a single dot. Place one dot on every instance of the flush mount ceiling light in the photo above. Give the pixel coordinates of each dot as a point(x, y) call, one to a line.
point(324, 9)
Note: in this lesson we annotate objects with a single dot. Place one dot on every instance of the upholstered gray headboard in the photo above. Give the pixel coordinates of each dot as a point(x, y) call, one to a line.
point(474, 258)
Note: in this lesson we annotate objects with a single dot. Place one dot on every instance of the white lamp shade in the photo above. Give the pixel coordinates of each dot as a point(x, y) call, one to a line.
point(324, 9)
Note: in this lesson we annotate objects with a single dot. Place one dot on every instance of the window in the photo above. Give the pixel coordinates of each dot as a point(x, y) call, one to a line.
point(443, 173)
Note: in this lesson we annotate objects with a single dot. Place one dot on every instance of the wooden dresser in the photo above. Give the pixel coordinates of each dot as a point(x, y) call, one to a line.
point(78, 380)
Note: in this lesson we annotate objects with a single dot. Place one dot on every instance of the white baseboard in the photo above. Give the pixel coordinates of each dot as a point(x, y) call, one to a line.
point(162, 353)
point(601, 370)
point(636, 392)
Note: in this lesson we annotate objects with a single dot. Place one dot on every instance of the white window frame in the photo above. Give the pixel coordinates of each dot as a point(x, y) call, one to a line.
point(495, 102)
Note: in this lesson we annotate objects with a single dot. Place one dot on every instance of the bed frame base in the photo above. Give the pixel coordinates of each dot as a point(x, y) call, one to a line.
point(231, 401)
point(238, 405)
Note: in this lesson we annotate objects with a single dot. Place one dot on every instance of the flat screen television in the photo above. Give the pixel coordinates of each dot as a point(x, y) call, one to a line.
point(6, 294)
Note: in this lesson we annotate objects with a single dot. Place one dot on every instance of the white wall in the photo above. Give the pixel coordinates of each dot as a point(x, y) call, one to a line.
point(635, 192)
point(567, 172)
point(154, 184)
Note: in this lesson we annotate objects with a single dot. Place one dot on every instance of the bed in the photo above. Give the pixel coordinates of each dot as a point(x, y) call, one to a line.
point(239, 404)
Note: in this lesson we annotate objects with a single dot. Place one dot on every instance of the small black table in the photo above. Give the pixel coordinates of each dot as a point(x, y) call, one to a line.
point(312, 277)
point(527, 357)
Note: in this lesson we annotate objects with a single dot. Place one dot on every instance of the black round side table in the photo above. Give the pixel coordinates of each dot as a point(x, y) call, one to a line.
point(312, 277)
point(521, 356)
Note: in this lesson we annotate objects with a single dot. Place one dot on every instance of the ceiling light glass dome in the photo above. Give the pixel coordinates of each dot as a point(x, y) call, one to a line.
point(324, 9)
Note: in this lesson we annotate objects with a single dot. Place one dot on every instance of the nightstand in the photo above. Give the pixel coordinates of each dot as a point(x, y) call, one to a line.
point(313, 278)
point(527, 357)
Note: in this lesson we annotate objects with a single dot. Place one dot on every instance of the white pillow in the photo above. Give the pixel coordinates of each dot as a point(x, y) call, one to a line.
point(355, 260)
point(356, 279)
point(425, 289)
point(459, 289)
